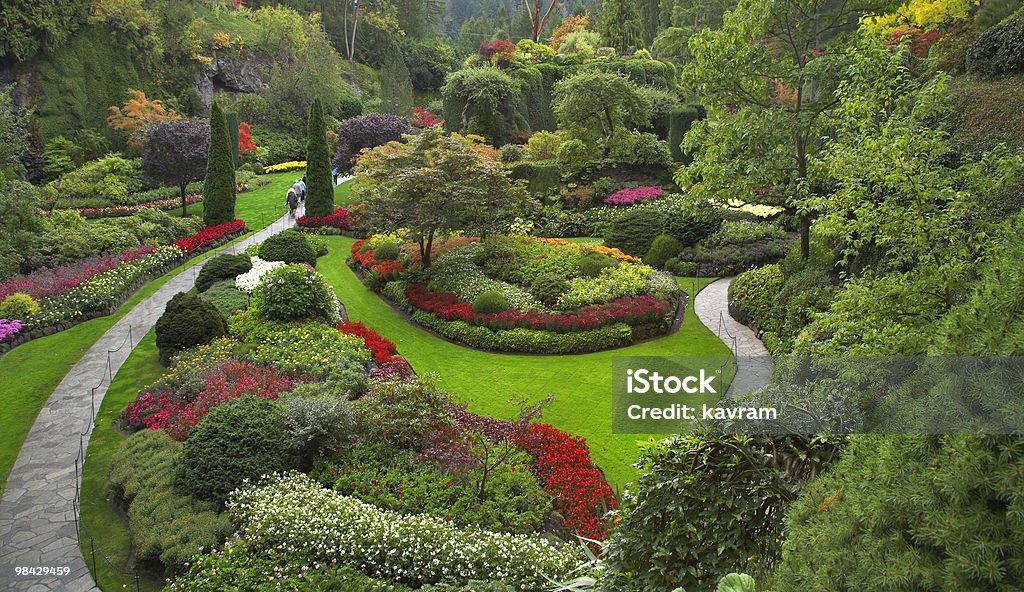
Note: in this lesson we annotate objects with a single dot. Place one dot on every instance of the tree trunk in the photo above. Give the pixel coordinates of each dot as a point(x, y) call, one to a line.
point(184, 204)
point(805, 236)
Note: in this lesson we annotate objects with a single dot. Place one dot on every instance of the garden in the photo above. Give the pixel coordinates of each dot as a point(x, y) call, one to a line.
point(405, 383)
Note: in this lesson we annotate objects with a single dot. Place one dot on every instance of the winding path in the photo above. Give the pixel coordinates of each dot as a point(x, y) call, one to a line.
point(754, 364)
point(37, 517)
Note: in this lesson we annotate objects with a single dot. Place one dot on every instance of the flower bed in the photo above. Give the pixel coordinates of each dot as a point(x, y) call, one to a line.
point(46, 283)
point(632, 195)
point(10, 328)
point(341, 219)
point(169, 203)
point(384, 350)
point(283, 167)
point(209, 235)
point(388, 270)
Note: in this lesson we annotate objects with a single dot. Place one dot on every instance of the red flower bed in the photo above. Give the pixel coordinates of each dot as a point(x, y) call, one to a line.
point(209, 235)
point(388, 270)
point(51, 282)
point(630, 196)
point(637, 311)
point(231, 380)
point(563, 467)
point(119, 211)
point(342, 219)
point(383, 349)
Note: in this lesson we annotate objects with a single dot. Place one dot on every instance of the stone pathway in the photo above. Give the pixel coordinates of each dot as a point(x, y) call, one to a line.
point(754, 364)
point(37, 518)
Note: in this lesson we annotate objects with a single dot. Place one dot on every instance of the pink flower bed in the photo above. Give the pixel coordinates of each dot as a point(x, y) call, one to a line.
point(119, 211)
point(51, 282)
point(629, 196)
point(9, 329)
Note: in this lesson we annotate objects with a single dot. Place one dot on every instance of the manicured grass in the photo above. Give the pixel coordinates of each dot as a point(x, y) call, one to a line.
point(486, 381)
point(99, 518)
point(262, 206)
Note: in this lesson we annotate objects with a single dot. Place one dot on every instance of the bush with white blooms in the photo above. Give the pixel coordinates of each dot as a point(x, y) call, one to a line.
point(292, 515)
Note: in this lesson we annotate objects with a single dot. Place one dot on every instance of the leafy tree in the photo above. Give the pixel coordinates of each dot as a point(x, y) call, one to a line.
point(13, 139)
point(137, 115)
point(367, 131)
point(176, 152)
point(483, 101)
point(219, 186)
point(319, 185)
point(599, 107)
point(568, 26)
point(59, 155)
point(433, 185)
point(619, 25)
point(767, 79)
point(30, 27)
point(20, 227)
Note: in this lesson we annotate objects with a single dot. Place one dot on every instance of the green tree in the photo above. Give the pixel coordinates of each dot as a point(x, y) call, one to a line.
point(619, 25)
point(219, 185)
point(483, 101)
point(319, 185)
point(433, 185)
point(395, 84)
point(600, 107)
point(13, 139)
point(767, 79)
point(42, 24)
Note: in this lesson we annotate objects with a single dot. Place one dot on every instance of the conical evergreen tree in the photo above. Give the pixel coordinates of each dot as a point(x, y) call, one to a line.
point(319, 185)
point(219, 186)
point(619, 25)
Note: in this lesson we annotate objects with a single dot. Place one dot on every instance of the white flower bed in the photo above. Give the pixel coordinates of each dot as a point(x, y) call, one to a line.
point(248, 281)
point(294, 516)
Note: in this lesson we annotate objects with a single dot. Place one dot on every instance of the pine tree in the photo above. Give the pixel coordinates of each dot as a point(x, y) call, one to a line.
point(219, 187)
point(319, 187)
point(396, 84)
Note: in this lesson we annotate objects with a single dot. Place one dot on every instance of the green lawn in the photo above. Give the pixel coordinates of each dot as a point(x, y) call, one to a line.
point(486, 381)
point(262, 206)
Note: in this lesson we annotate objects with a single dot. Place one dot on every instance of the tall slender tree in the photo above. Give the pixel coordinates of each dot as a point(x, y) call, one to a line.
point(219, 186)
point(319, 187)
point(539, 16)
point(619, 25)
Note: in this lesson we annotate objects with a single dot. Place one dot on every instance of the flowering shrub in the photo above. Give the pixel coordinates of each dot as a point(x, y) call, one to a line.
point(294, 293)
point(382, 349)
point(10, 329)
point(456, 271)
point(292, 165)
point(422, 118)
point(342, 219)
point(209, 235)
point(291, 512)
point(599, 248)
point(51, 282)
point(397, 370)
point(630, 196)
point(169, 203)
point(388, 270)
point(248, 281)
point(316, 350)
point(621, 281)
point(640, 310)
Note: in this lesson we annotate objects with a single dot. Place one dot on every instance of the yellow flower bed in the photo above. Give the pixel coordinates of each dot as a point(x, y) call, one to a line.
point(285, 166)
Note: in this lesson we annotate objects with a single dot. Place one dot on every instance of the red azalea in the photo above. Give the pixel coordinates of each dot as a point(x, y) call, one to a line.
point(209, 235)
point(342, 219)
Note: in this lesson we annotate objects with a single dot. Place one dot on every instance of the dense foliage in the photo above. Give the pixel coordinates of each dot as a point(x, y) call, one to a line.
point(366, 131)
point(187, 321)
point(219, 185)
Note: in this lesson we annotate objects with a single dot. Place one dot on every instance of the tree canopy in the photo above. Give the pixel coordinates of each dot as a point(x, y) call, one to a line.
point(175, 153)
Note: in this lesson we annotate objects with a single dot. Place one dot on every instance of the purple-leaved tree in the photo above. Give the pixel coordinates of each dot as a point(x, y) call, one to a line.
point(175, 153)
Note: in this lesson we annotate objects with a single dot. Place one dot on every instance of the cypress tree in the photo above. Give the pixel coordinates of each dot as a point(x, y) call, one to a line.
point(232, 118)
point(219, 186)
point(319, 185)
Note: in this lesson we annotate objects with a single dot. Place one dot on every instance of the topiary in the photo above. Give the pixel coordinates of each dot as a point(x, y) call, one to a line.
point(692, 220)
point(633, 231)
point(290, 246)
point(902, 512)
point(219, 184)
point(220, 268)
point(591, 264)
point(18, 306)
point(662, 249)
point(242, 439)
point(226, 297)
point(490, 302)
point(547, 287)
point(295, 293)
point(387, 251)
point(188, 320)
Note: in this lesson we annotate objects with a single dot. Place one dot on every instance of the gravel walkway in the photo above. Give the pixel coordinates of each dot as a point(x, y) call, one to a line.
point(754, 364)
point(37, 518)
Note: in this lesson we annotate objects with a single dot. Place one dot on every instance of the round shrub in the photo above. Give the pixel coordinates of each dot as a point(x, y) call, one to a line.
point(547, 287)
point(593, 263)
point(1000, 50)
point(295, 293)
point(663, 248)
point(490, 302)
point(512, 153)
point(633, 231)
point(220, 268)
point(933, 512)
point(290, 246)
point(754, 293)
point(226, 297)
point(387, 251)
point(188, 321)
point(692, 220)
point(243, 439)
point(18, 307)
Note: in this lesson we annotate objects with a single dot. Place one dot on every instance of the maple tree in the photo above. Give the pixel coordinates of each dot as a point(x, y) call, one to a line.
point(245, 142)
point(138, 114)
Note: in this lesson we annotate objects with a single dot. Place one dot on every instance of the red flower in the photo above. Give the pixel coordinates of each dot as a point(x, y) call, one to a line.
point(342, 219)
point(209, 235)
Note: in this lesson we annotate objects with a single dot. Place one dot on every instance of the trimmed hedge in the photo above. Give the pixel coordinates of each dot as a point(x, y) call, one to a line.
point(188, 321)
point(226, 297)
point(220, 268)
point(634, 231)
point(1000, 50)
point(290, 246)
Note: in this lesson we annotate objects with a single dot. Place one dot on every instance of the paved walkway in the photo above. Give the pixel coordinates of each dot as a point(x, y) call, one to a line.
point(37, 520)
point(754, 364)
